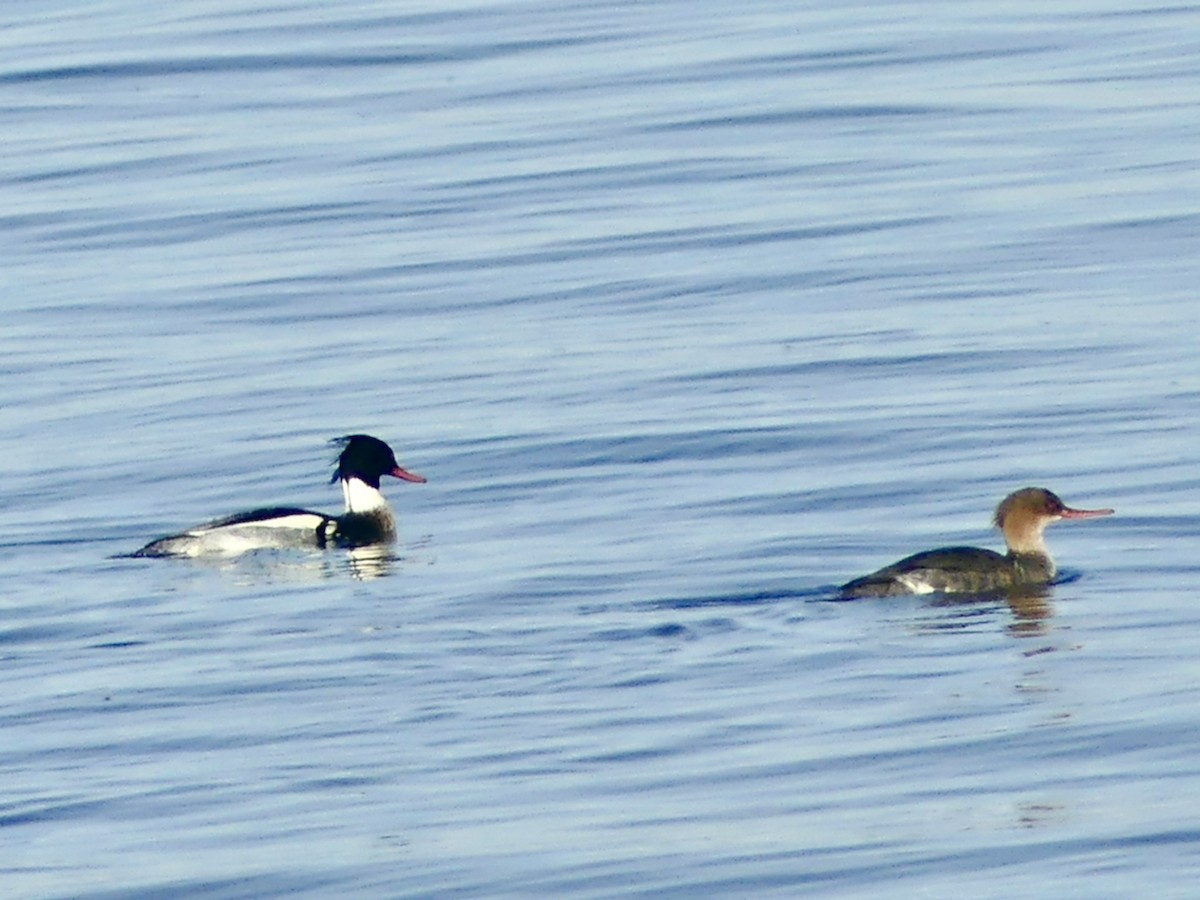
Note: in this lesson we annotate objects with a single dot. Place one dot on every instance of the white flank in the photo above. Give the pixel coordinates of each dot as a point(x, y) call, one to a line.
point(915, 584)
point(286, 531)
point(295, 522)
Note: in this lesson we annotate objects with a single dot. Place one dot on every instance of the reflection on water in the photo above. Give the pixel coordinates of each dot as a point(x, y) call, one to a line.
point(1031, 609)
point(1039, 815)
point(369, 562)
point(275, 565)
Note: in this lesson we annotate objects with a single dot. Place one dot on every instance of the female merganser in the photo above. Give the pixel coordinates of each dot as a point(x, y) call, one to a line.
point(1022, 516)
point(368, 518)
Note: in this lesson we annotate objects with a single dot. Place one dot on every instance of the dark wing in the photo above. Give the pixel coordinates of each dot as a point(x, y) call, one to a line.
point(951, 559)
point(970, 569)
point(262, 517)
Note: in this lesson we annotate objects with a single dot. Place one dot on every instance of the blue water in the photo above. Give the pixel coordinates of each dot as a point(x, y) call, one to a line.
point(689, 312)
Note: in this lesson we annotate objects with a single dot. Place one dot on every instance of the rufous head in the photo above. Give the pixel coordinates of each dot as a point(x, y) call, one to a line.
point(1023, 515)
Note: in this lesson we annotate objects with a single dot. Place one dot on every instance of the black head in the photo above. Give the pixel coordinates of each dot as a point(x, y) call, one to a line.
point(368, 459)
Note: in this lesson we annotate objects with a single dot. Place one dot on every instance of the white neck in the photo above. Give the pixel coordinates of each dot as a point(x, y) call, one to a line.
point(1029, 539)
point(361, 497)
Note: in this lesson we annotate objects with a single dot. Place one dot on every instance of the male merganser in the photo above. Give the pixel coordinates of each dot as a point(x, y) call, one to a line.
point(368, 518)
point(1022, 517)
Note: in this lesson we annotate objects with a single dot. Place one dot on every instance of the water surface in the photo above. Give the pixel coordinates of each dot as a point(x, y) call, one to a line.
point(688, 313)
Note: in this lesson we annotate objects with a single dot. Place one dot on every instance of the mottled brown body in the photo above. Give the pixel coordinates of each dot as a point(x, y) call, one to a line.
point(1022, 517)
